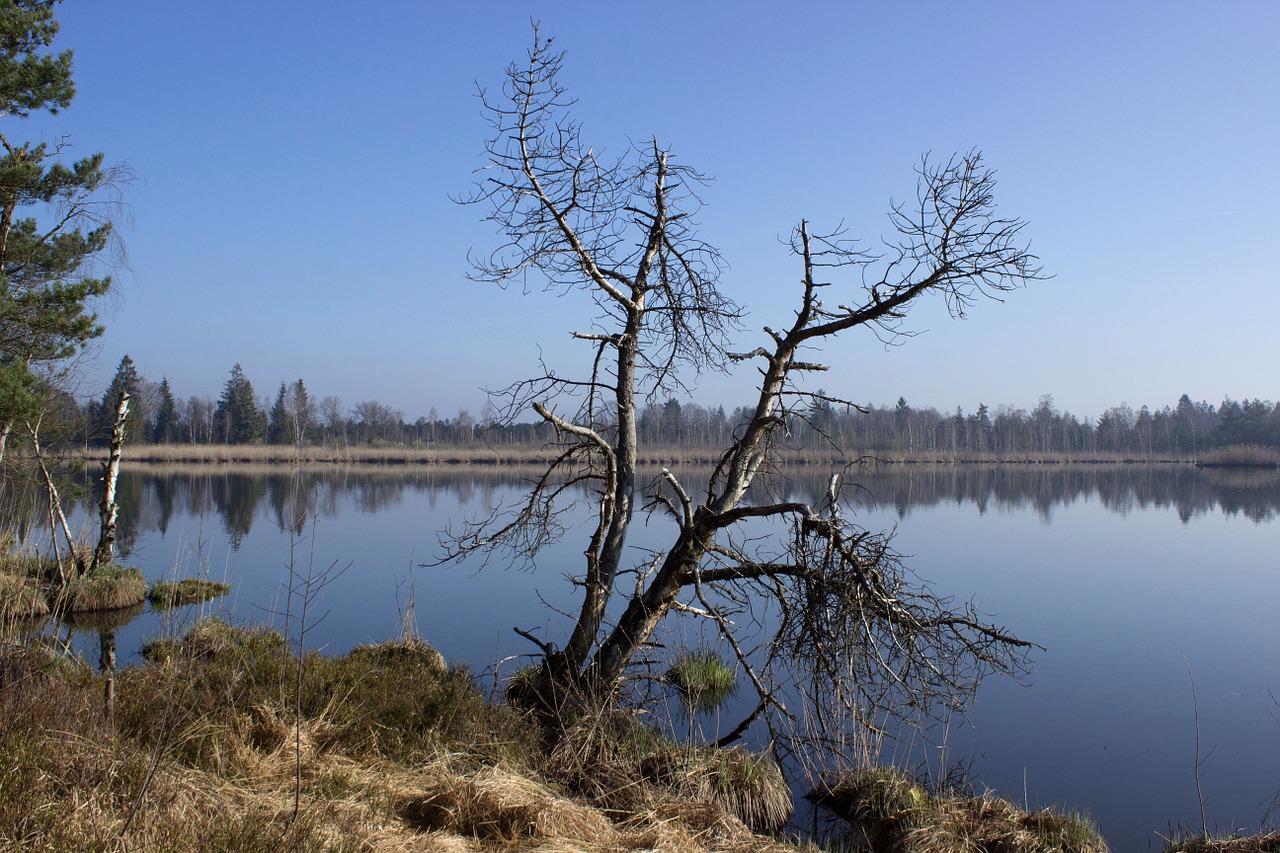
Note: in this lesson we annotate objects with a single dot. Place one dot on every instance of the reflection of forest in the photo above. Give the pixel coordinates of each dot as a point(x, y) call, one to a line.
point(239, 498)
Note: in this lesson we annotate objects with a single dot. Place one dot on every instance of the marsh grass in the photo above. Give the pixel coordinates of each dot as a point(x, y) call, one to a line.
point(164, 595)
point(891, 813)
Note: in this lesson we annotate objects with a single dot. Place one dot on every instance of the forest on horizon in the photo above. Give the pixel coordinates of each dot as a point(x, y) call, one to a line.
point(296, 417)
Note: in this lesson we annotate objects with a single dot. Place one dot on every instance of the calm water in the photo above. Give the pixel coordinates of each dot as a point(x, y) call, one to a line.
point(1130, 578)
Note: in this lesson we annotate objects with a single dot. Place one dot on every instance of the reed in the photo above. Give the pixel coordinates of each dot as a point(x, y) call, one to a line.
point(1240, 456)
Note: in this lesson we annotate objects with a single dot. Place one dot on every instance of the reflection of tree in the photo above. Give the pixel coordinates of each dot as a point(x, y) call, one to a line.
point(149, 500)
point(164, 488)
point(236, 497)
point(293, 498)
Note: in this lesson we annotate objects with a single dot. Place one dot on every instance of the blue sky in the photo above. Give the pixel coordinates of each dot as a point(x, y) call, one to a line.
point(297, 160)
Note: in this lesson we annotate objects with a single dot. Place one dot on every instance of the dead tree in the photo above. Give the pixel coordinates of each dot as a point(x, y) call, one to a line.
point(862, 633)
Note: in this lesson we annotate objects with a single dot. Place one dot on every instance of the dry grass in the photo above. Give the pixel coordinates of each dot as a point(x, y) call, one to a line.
point(744, 784)
point(891, 813)
point(393, 752)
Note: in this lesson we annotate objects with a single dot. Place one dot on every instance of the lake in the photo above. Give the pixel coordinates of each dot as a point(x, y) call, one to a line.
point(1138, 581)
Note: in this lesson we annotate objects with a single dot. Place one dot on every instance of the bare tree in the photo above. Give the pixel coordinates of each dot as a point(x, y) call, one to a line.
point(862, 634)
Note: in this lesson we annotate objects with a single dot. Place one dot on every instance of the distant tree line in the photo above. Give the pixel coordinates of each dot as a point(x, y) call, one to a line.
point(295, 417)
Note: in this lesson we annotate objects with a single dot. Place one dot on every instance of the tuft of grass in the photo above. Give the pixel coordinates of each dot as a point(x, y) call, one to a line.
point(109, 588)
point(166, 594)
point(896, 815)
point(746, 784)
point(703, 681)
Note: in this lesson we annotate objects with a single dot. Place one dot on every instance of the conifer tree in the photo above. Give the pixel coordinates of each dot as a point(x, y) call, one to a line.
point(237, 419)
point(166, 425)
point(54, 217)
point(280, 422)
point(303, 412)
point(128, 381)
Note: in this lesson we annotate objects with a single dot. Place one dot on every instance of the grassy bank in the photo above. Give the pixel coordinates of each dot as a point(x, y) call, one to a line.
point(226, 741)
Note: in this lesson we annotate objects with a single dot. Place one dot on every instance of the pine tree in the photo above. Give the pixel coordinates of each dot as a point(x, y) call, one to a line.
point(165, 430)
point(54, 217)
point(237, 419)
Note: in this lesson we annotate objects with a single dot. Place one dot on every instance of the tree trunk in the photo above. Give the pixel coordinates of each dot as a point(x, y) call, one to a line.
point(108, 509)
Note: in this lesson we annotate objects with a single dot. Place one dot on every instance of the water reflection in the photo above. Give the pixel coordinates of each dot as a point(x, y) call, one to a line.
point(149, 499)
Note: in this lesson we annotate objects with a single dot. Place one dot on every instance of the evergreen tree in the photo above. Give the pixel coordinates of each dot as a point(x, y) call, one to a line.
point(303, 412)
point(125, 380)
point(237, 419)
point(280, 422)
point(54, 216)
point(165, 430)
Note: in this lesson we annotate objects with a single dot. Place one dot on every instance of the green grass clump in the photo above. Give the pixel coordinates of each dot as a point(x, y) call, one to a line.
point(167, 594)
point(702, 679)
